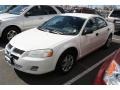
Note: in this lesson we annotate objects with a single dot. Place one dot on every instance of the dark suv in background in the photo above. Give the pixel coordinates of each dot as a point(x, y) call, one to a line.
point(86, 10)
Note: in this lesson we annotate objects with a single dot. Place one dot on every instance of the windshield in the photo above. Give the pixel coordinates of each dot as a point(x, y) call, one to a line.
point(66, 25)
point(18, 10)
point(3, 8)
point(115, 13)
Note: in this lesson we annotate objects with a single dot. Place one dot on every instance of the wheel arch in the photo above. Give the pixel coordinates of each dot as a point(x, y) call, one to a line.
point(71, 49)
point(3, 33)
point(12, 26)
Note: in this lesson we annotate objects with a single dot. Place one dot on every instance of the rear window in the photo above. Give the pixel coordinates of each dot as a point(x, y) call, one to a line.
point(60, 9)
point(115, 13)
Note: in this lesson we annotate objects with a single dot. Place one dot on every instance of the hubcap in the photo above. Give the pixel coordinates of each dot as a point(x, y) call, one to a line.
point(67, 63)
point(11, 34)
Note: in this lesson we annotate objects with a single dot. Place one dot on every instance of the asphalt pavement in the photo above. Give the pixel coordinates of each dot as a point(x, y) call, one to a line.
point(9, 76)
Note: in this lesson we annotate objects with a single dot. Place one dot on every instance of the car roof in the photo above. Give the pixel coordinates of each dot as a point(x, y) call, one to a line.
point(81, 15)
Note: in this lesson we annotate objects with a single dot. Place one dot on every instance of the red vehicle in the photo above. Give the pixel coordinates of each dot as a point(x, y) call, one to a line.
point(109, 73)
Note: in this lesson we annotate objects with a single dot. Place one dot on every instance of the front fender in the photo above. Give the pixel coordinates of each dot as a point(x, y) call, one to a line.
point(63, 47)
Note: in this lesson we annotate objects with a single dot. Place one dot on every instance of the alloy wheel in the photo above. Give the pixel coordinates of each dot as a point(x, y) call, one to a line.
point(67, 63)
point(11, 34)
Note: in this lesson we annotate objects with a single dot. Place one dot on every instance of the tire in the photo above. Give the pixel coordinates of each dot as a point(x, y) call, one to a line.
point(9, 33)
point(65, 63)
point(108, 42)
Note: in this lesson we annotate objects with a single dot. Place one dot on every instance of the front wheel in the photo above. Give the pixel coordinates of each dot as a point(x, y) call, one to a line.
point(9, 33)
point(65, 63)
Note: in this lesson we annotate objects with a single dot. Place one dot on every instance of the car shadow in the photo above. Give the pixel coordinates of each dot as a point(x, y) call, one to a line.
point(44, 79)
point(2, 43)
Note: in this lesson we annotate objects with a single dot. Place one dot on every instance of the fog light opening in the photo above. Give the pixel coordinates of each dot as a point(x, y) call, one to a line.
point(34, 68)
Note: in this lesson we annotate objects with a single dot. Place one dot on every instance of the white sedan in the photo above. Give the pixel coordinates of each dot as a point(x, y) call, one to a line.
point(58, 43)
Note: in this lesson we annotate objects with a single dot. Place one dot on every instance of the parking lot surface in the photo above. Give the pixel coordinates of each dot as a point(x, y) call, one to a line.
point(10, 76)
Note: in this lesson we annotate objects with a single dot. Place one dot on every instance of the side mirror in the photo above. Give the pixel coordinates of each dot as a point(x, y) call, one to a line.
point(87, 31)
point(27, 14)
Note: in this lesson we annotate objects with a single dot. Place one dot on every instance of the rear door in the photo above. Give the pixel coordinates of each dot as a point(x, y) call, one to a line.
point(89, 42)
point(103, 30)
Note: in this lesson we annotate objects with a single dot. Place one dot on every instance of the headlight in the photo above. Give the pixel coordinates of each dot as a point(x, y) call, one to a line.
point(38, 53)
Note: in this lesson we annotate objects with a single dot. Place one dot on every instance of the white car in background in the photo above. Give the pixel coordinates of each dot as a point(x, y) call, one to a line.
point(6, 8)
point(114, 17)
point(24, 17)
point(58, 43)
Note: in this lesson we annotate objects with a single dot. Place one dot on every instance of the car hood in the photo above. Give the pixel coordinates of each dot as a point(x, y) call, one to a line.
point(6, 16)
point(36, 39)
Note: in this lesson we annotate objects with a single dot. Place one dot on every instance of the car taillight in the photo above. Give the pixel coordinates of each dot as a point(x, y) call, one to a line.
point(110, 73)
point(112, 68)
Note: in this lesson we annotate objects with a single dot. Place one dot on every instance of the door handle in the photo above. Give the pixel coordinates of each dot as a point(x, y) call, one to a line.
point(97, 34)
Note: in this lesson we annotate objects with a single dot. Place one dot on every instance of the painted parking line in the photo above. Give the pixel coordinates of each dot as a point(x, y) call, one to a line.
point(87, 71)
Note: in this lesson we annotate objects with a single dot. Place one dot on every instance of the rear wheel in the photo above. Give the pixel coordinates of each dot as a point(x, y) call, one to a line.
point(65, 63)
point(9, 33)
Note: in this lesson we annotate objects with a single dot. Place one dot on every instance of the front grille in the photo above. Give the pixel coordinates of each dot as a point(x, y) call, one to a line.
point(18, 51)
point(13, 52)
point(15, 57)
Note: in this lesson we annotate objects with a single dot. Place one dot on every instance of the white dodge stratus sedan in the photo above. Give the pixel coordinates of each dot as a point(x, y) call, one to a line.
point(58, 43)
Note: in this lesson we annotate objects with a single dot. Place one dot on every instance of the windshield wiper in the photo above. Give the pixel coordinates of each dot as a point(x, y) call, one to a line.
point(50, 30)
point(56, 32)
point(45, 30)
point(10, 12)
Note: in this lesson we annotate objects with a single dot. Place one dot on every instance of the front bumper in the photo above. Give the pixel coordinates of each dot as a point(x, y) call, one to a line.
point(32, 66)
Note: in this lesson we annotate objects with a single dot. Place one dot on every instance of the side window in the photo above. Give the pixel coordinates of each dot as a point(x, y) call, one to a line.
point(48, 10)
point(91, 24)
point(101, 23)
point(35, 11)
